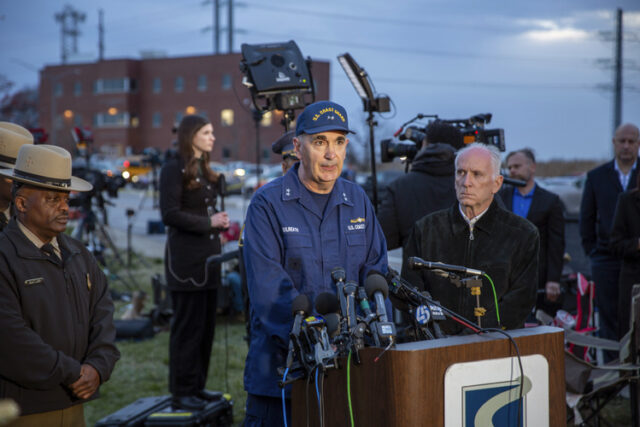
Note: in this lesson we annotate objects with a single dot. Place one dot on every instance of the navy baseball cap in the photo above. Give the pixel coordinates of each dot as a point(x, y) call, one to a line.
point(284, 146)
point(322, 116)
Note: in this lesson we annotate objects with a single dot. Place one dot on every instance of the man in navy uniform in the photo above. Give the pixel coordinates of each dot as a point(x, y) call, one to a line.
point(298, 228)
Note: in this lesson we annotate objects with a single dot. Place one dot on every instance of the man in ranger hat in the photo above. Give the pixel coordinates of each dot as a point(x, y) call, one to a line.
point(299, 227)
point(56, 315)
point(284, 147)
point(12, 137)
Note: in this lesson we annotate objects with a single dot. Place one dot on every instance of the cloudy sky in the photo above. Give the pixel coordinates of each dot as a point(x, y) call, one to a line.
point(542, 68)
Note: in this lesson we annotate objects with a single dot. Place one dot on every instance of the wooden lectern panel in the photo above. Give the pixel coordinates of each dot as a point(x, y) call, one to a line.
point(406, 386)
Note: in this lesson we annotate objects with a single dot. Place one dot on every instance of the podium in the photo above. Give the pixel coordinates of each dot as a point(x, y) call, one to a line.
point(406, 386)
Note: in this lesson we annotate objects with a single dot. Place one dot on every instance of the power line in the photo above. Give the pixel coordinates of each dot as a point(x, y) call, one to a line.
point(424, 52)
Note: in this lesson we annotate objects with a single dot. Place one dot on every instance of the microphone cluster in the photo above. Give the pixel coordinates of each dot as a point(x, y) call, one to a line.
point(345, 323)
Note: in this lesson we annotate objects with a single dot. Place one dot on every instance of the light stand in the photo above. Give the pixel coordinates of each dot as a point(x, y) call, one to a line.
point(360, 81)
point(278, 78)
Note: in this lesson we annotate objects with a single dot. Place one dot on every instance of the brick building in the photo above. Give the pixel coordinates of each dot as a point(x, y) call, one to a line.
point(134, 103)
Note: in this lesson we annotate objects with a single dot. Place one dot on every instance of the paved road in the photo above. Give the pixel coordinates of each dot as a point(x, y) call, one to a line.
point(142, 204)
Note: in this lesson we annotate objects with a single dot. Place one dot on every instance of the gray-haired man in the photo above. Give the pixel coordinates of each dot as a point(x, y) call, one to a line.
point(477, 233)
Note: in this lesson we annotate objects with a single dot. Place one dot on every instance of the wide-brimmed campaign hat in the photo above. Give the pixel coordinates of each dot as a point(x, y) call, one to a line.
point(46, 166)
point(12, 137)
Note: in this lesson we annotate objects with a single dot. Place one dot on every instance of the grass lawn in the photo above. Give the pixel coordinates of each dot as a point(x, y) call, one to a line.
point(143, 369)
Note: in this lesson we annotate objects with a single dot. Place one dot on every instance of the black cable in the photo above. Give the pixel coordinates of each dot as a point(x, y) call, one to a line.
point(515, 346)
point(307, 397)
point(226, 354)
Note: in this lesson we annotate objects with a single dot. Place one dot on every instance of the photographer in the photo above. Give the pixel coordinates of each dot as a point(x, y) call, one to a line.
point(188, 193)
point(428, 187)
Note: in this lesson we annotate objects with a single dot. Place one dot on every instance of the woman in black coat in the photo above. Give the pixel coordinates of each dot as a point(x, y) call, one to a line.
point(188, 194)
point(625, 243)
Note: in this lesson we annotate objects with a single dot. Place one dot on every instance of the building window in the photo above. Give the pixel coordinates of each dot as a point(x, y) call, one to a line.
point(226, 81)
point(226, 117)
point(104, 120)
point(179, 85)
point(115, 85)
point(267, 118)
point(226, 152)
point(202, 83)
point(77, 120)
point(156, 121)
point(57, 89)
point(179, 116)
point(77, 88)
point(157, 85)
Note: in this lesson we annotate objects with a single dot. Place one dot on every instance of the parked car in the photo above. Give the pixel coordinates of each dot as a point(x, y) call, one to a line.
point(569, 189)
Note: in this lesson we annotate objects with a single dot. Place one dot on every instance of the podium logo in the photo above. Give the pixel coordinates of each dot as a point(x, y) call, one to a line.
point(495, 404)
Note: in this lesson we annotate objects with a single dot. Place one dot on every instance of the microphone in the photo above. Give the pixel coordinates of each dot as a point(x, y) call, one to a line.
point(416, 263)
point(338, 275)
point(376, 287)
point(328, 306)
point(333, 323)
point(300, 307)
point(349, 290)
point(222, 190)
point(326, 303)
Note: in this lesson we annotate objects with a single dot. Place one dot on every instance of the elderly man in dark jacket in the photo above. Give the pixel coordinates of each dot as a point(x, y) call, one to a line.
point(56, 316)
point(427, 188)
point(477, 233)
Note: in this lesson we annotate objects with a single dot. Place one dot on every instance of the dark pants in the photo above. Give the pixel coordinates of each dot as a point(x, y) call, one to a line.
point(265, 411)
point(192, 328)
point(605, 271)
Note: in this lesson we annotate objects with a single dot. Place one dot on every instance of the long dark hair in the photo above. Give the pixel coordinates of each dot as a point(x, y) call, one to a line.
point(189, 126)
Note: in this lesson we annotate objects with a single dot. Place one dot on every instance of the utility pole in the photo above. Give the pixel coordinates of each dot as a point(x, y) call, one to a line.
point(216, 26)
point(617, 84)
point(69, 19)
point(100, 35)
point(230, 26)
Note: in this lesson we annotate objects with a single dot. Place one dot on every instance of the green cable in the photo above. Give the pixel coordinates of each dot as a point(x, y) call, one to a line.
point(349, 387)
point(495, 298)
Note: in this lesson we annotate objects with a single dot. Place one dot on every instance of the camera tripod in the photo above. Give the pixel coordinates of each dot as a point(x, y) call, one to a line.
point(93, 233)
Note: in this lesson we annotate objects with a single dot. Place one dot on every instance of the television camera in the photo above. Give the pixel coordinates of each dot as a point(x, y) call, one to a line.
point(410, 138)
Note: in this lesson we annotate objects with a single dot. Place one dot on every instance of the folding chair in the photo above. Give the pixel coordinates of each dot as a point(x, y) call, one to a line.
point(591, 387)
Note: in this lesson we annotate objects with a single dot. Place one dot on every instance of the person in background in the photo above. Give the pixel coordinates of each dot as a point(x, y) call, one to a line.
point(597, 208)
point(188, 195)
point(12, 137)
point(544, 209)
point(284, 147)
point(56, 316)
point(428, 187)
point(625, 244)
point(476, 232)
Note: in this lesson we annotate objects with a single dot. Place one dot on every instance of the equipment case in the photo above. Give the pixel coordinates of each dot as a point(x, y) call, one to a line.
point(157, 411)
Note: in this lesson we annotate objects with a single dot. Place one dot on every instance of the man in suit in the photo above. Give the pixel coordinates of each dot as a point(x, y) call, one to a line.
point(601, 190)
point(544, 209)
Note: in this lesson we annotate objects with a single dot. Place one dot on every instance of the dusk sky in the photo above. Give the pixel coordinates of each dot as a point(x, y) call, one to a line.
point(542, 68)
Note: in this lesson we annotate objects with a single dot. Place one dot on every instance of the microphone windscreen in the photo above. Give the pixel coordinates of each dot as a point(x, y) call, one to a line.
point(374, 283)
point(333, 322)
point(301, 303)
point(327, 302)
point(222, 185)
